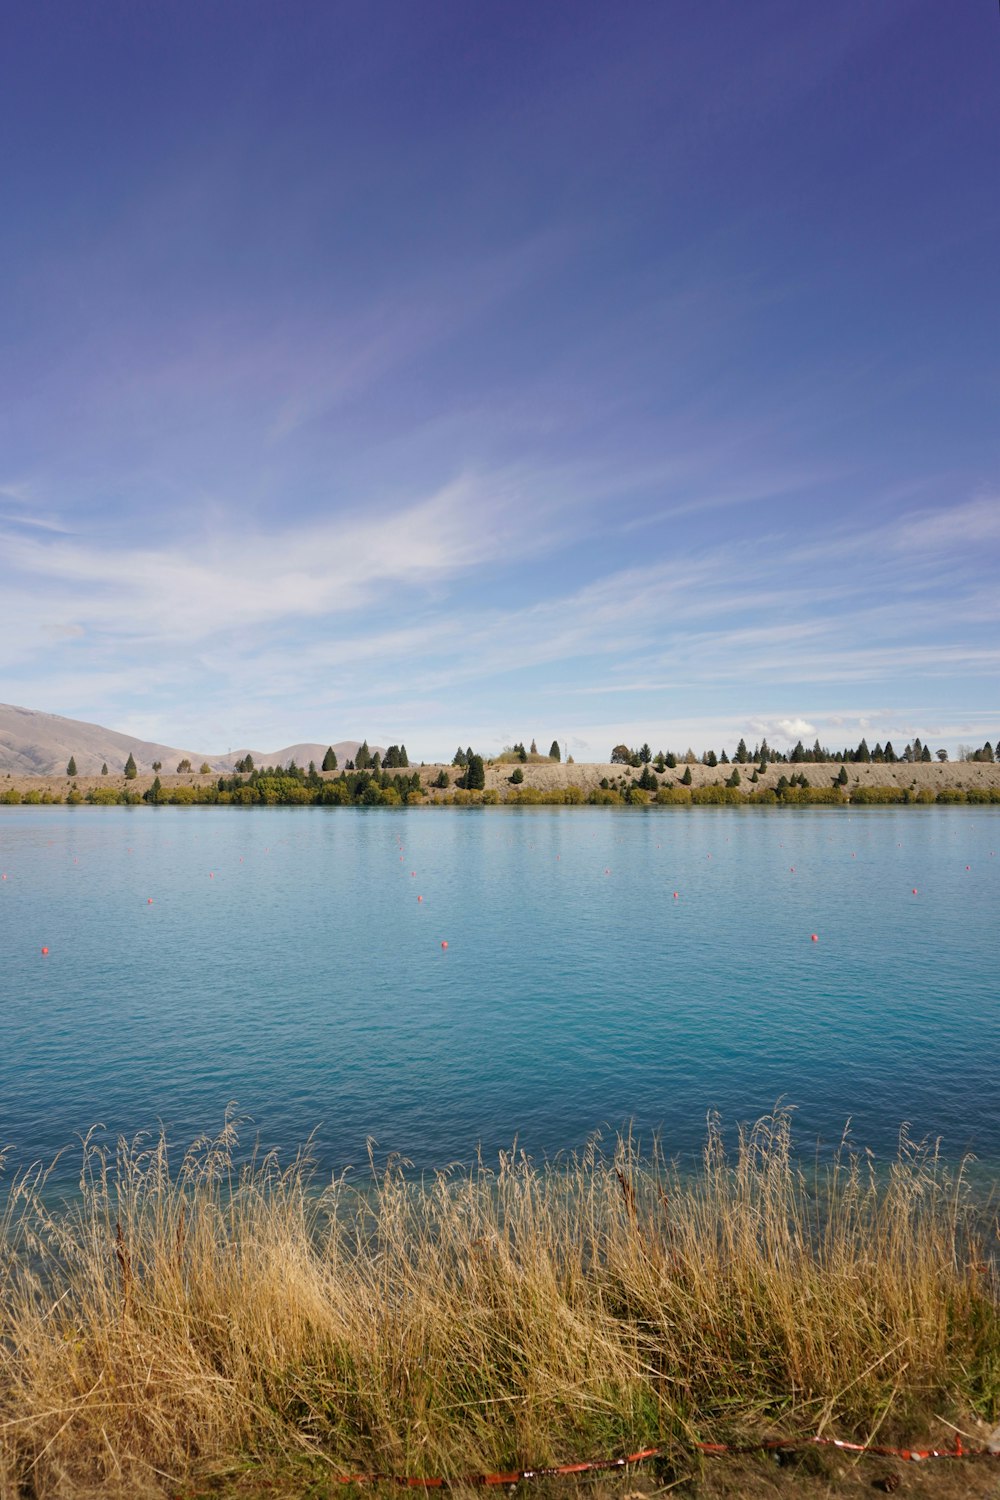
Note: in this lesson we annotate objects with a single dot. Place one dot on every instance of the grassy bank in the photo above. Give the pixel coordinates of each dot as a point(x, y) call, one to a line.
point(175, 1322)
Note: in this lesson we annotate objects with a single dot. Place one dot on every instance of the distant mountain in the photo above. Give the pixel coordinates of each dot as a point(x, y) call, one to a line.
point(38, 744)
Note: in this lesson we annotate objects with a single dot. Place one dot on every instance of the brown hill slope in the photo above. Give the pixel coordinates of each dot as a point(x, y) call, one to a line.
point(39, 744)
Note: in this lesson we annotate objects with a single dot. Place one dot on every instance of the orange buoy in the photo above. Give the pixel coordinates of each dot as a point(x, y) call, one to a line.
point(420, 898)
point(45, 950)
point(814, 937)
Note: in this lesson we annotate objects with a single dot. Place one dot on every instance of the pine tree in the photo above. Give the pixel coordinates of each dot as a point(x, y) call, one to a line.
point(734, 779)
point(686, 778)
point(842, 778)
point(460, 758)
point(741, 752)
point(863, 753)
point(71, 767)
point(363, 757)
point(475, 773)
point(403, 758)
point(131, 770)
point(554, 751)
point(104, 769)
point(534, 748)
point(330, 759)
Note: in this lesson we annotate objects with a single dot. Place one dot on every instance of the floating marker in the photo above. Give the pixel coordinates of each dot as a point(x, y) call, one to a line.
point(45, 950)
point(814, 937)
point(420, 898)
point(914, 890)
point(149, 900)
point(443, 945)
point(676, 896)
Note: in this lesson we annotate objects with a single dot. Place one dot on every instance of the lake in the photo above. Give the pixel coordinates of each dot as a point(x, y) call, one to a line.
point(284, 959)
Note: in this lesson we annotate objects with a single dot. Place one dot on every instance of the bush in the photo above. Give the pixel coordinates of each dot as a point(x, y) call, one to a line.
point(673, 796)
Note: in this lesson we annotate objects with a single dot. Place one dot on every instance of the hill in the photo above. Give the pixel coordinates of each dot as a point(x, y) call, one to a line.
point(40, 744)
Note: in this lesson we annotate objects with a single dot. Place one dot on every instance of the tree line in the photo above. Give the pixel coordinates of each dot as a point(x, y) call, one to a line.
point(765, 755)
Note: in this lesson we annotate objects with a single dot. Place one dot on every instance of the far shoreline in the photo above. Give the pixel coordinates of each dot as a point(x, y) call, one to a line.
point(536, 783)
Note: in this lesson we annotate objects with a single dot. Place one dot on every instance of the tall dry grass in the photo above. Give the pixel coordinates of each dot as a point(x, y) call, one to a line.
point(178, 1320)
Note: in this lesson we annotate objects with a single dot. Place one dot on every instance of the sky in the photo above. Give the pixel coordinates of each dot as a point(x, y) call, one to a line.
point(456, 373)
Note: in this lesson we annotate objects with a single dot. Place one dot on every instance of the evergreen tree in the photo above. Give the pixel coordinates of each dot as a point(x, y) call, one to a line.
point(723, 759)
point(710, 758)
point(534, 748)
point(442, 778)
point(131, 770)
point(460, 758)
point(554, 751)
point(818, 753)
point(330, 759)
point(686, 778)
point(104, 769)
point(645, 755)
point(71, 766)
point(363, 758)
point(799, 753)
point(647, 780)
point(517, 776)
point(475, 773)
point(842, 778)
point(734, 779)
point(889, 753)
point(863, 753)
point(404, 758)
point(741, 752)
point(376, 762)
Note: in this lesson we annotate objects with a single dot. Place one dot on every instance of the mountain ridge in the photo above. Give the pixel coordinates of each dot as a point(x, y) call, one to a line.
point(35, 743)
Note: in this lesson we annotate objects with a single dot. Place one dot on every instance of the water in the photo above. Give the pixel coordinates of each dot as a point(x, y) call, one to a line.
point(286, 963)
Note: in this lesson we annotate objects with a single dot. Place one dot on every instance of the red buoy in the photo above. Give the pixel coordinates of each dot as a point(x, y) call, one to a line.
point(675, 895)
point(914, 890)
point(444, 944)
point(149, 900)
point(420, 898)
point(45, 950)
point(814, 937)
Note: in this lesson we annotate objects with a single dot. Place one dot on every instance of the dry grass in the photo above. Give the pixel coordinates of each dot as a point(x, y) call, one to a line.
point(179, 1322)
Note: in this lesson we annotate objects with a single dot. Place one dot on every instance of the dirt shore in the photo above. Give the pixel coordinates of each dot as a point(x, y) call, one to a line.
point(548, 776)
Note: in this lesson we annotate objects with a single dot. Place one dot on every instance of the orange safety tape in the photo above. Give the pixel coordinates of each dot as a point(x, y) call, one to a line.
point(771, 1445)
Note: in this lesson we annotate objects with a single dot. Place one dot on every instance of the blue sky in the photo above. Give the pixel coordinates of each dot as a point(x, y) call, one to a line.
point(456, 372)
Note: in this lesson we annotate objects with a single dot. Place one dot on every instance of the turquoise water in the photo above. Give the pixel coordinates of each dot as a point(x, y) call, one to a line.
point(286, 963)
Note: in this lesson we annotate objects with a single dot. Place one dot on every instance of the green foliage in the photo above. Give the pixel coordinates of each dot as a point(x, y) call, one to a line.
point(442, 778)
point(71, 766)
point(157, 765)
point(554, 751)
point(686, 779)
point(330, 759)
point(674, 796)
point(734, 779)
point(104, 769)
point(842, 778)
point(11, 797)
point(475, 774)
point(131, 769)
point(206, 770)
point(155, 792)
point(460, 758)
point(363, 758)
point(183, 766)
point(621, 755)
point(517, 776)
